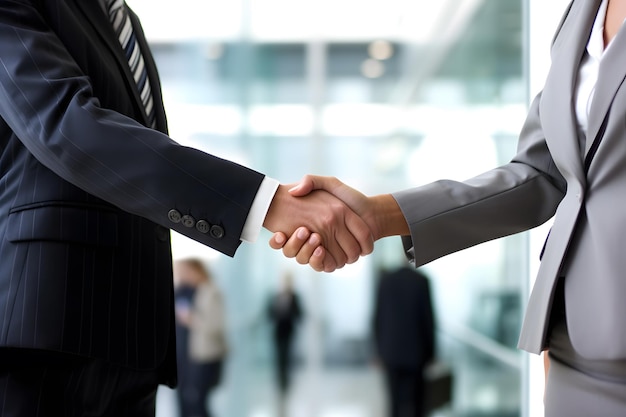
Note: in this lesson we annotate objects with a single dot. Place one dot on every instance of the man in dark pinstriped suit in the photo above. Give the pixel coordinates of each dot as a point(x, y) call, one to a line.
point(87, 195)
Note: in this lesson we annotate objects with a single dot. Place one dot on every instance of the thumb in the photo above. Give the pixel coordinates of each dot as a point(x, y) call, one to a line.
point(304, 187)
point(309, 183)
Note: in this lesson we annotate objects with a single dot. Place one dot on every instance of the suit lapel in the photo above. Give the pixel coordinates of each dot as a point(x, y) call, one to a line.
point(560, 126)
point(610, 78)
point(99, 20)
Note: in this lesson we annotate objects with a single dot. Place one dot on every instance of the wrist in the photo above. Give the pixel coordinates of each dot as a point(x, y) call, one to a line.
point(276, 208)
point(385, 217)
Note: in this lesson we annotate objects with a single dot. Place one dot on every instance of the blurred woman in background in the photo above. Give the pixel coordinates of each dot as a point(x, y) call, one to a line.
point(200, 336)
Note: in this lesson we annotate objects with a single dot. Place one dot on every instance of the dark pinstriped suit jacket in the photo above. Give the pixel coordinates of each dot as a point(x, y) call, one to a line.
point(87, 192)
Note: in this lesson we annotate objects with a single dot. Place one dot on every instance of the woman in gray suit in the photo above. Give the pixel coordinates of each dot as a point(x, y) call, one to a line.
point(570, 164)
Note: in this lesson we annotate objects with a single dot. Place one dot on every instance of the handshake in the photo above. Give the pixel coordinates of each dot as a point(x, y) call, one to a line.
point(327, 224)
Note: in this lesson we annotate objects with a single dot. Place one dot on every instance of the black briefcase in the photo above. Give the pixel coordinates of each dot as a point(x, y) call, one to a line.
point(438, 386)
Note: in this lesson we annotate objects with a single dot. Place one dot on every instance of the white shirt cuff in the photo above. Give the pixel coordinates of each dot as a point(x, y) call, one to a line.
point(258, 211)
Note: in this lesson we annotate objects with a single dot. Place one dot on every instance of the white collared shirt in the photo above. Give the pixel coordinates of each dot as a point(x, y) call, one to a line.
point(259, 209)
point(589, 69)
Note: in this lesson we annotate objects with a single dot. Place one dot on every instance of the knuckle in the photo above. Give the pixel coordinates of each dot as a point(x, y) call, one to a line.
point(330, 216)
point(302, 258)
point(352, 252)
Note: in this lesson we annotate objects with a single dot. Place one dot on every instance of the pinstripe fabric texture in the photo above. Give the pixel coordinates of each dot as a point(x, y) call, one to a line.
point(86, 188)
point(126, 35)
point(61, 385)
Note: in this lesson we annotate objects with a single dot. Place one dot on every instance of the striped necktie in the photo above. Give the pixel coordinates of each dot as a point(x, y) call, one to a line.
point(124, 31)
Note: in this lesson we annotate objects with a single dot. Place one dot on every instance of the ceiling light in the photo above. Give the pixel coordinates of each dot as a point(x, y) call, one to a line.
point(380, 50)
point(372, 68)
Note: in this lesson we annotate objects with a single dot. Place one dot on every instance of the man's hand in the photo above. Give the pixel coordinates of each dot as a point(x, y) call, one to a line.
point(343, 234)
point(306, 247)
point(357, 201)
point(381, 213)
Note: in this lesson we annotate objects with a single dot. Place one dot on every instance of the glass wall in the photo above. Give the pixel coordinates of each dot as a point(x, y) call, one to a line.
point(385, 95)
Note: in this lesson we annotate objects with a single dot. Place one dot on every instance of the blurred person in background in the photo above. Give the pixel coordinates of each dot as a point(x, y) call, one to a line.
point(200, 334)
point(404, 337)
point(285, 313)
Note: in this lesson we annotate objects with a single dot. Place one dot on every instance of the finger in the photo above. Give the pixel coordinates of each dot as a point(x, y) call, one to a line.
point(335, 243)
point(337, 239)
point(342, 243)
point(318, 259)
point(328, 262)
point(320, 262)
point(349, 246)
point(342, 246)
point(335, 256)
point(361, 232)
point(296, 241)
point(278, 240)
point(307, 249)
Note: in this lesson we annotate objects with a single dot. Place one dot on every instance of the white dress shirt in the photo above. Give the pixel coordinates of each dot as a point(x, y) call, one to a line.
point(589, 69)
point(258, 211)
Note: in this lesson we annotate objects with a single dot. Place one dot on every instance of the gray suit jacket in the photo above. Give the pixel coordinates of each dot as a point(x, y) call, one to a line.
point(551, 174)
point(88, 193)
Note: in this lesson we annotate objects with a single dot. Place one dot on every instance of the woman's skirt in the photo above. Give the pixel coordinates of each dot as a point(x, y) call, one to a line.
point(579, 387)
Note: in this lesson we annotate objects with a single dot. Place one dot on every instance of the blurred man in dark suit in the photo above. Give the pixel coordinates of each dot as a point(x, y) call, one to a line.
point(403, 329)
point(285, 313)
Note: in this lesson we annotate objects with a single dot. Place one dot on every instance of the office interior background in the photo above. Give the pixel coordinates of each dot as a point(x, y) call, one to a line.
point(385, 95)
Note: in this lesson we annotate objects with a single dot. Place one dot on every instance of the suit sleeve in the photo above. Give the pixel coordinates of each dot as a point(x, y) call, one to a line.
point(448, 216)
point(49, 104)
